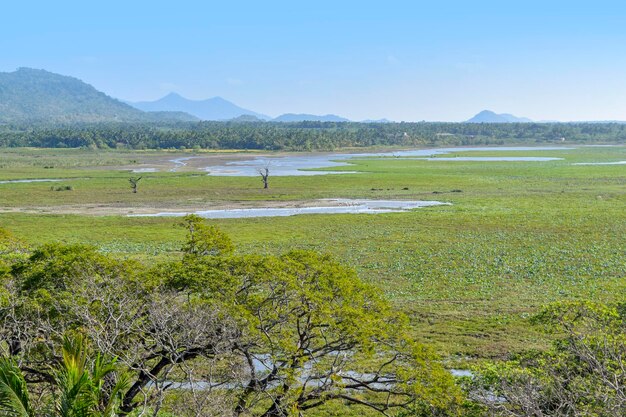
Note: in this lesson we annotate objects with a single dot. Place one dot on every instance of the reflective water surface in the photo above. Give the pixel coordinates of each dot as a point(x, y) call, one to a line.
point(324, 207)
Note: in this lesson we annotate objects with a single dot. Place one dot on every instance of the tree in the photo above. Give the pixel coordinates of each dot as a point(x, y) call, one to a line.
point(78, 387)
point(119, 306)
point(203, 239)
point(311, 333)
point(231, 334)
point(583, 374)
point(134, 182)
point(264, 173)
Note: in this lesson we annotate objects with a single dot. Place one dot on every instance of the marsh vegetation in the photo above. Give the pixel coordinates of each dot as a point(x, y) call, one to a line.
point(468, 279)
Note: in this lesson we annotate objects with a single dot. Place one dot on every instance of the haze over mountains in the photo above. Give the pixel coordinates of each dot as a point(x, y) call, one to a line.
point(34, 95)
point(215, 108)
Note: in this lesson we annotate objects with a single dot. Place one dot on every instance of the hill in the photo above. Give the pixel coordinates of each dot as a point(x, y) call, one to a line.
point(170, 116)
point(291, 117)
point(377, 121)
point(487, 116)
point(33, 95)
point(246, 118)
point(215, 108)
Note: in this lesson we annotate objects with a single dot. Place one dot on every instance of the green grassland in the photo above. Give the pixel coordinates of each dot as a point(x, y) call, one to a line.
point(518, 235)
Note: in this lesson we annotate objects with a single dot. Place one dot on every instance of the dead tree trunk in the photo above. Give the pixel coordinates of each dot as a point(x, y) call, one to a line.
point(133, 183)
point(265, 173)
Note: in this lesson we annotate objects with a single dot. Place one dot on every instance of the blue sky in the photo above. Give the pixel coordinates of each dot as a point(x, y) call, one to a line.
point(403, 60)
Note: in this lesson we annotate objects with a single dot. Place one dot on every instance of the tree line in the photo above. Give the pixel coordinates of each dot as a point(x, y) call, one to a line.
point(302, 136)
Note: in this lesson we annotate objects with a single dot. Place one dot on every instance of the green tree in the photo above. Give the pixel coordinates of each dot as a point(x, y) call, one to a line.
point(311, 333)
point(583, 374)
point(284, 334)
point(77, 385)
point(203, 239)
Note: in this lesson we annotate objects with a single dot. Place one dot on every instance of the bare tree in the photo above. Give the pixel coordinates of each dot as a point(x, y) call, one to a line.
point(264, 173)
point(133, 183)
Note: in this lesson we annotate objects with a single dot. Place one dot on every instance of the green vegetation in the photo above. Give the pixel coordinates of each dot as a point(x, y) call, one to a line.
point(463, 280)
point(301, 136)
point(518, 236)
point(582, 374)
point(81, 385)
point(249, 335)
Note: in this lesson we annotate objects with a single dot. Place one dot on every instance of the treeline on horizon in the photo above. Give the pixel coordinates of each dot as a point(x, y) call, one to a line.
point(301, 136)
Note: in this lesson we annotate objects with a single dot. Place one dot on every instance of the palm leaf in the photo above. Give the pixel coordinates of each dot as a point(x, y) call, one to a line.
point(77, 392)
point(14, 399)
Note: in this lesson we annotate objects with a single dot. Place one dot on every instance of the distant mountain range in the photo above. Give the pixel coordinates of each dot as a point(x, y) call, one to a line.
point(487, 116)
point(32, 95)
point(215, 108)
point(377, 121)
point(291, 117)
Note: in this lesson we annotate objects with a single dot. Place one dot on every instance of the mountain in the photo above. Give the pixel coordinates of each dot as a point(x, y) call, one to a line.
point(246, 118)
point(291, 117)
point(377, 121)
point(170, 116)
point(33, 95)
point(215, 108)
point(487, 116)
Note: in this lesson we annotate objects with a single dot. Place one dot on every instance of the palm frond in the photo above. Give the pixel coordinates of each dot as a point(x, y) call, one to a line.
point(14, 398)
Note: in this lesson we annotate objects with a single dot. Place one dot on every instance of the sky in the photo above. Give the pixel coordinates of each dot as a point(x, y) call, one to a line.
point(401, 60)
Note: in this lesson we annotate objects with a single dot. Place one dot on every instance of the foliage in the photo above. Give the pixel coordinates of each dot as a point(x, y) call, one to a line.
point(582, 375)
point(83, 385)
point(260, 335)
point(521, 235)
point(311, 332)
point(204, 239)
point(14, 398)
point(300, 136)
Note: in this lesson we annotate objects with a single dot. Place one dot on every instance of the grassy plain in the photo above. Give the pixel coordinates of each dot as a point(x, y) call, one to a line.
point(518, 235)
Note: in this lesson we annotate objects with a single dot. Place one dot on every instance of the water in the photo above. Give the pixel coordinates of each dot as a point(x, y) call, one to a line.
point(262, 368)
point(282, 166)
point(495, 159)
point(34, 180)
point(295, 164)
point(344, 206)
point(461, 373)
point(601, 163)
point(180, 162)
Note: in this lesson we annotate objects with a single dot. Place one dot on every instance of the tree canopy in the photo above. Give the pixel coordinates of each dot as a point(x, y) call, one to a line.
point(217, 333)
point(583, 374)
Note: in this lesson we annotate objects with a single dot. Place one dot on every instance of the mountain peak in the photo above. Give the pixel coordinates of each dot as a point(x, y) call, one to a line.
point(215, 108)
point(24, 70)
point(488, 116)
point(219, 99)
point(172, 94)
